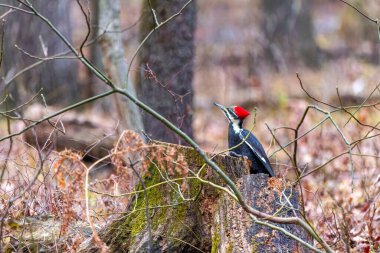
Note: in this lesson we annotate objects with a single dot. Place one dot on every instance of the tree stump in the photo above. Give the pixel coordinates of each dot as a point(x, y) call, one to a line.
point(212, 221)
point(177, 226)
point(234, 231)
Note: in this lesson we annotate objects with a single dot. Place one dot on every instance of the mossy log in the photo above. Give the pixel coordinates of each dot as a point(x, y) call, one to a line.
point(211, 221)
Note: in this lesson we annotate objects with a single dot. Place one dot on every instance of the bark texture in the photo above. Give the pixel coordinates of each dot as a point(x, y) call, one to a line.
point(166, 68)
point(115, 63)
point(58, 78)
point(234, 231)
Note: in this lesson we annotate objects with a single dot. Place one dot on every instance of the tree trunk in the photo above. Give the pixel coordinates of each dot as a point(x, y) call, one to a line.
point(92, 84)
point(58, 78)
point(115, 63)
point(288, 30)
point(166, 68)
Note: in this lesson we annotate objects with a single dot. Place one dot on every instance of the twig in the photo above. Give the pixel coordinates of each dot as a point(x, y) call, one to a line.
point(376, 21)
point(128, 27)
point(303, 135)
point(25, 190)
point(151, 32)
point(56, 57)
point(282, 148)
point(312, 97)
point(95, 235)
point(68, 108)
point(154, 16)
point(324, 164)
point(83, 59)
point(2, 34)
point(137, 191)
point(360, 106)
point(9, 149)
point(336, 108)
point(88, 24)
point(182, 241)
point(16, 8)
point(23, 104)
point(284, 231)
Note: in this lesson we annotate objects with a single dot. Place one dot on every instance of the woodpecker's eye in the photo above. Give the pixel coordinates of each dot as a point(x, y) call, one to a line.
point(241, 112)
point(232, 113)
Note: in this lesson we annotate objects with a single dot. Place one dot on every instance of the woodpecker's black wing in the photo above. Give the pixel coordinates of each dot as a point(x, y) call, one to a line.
point(257, 149)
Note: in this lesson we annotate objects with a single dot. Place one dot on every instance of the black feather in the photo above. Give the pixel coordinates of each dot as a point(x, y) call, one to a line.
point(252, 149)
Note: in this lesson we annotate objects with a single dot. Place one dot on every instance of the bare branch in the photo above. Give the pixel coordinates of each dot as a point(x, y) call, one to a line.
point(376, 21)
point(14, 8)
point(68, 108)
point(88, 24)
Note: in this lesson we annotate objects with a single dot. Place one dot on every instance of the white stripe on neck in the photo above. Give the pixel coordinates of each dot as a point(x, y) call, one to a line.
point(236, 127)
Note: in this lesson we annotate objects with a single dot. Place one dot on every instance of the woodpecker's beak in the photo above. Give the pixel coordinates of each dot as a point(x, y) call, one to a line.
point(224, 110)
point(221, 107)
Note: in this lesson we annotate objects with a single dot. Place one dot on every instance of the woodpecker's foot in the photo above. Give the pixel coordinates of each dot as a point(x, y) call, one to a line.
point(234, 154)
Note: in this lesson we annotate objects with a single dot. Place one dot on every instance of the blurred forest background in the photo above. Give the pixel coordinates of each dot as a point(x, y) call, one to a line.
point(244, 52)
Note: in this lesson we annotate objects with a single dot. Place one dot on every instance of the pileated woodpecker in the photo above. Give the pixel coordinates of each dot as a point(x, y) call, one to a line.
point(251, 147)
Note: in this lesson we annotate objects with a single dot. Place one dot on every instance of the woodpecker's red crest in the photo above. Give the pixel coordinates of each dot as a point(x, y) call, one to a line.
point(241, 112)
